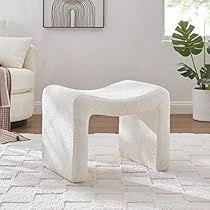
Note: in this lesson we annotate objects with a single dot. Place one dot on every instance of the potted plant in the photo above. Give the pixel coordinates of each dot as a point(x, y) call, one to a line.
point(189, 44)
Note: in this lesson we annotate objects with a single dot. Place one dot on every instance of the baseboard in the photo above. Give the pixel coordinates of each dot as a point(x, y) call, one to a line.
point(177, 107)
point(181, 107)
point(38, 107)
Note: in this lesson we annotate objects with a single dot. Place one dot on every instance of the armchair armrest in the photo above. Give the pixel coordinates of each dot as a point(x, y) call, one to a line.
point(31, 59)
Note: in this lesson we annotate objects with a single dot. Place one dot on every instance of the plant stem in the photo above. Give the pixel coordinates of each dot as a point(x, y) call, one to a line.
point(194, 64)
point(204, 44)
point(195, 69)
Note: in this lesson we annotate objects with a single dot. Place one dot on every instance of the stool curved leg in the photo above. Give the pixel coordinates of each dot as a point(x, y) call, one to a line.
point(80, 150)
point(163, 136)
point(64, 136)
point(138, 141)
point(144, 138)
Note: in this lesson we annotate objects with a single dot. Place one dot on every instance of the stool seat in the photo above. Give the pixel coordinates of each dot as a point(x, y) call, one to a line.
point(123, 90)
point(144, 125)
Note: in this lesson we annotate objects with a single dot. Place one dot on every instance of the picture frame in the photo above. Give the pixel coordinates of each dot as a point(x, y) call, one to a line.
point(73, 13)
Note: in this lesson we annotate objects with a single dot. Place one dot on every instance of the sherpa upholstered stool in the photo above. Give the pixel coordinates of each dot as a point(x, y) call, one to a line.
point(144, 112)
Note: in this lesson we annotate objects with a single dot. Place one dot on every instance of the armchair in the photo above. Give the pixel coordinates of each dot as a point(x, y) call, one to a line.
point(23, 83)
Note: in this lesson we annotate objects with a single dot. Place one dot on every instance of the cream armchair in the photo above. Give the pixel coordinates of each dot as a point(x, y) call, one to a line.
point(23, 83)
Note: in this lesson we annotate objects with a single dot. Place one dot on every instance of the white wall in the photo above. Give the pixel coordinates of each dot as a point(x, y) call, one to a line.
point(129, 47)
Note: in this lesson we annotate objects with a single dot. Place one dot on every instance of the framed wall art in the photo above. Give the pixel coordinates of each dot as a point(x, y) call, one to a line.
point(73, 13)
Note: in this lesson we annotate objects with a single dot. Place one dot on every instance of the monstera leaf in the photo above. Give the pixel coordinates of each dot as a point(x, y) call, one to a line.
point(205, 72)
point(208, 49)
point(187, 71)
point(204, 81)
point(185, 42)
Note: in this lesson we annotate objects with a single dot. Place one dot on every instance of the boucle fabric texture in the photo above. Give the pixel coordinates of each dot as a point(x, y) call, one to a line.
point(144, 111)
point(114, 183)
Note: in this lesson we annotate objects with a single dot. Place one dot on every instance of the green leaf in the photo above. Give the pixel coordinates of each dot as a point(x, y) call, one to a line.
point(205, 72)
point(208, 49)
point(190, 29)
point(187, 71)
point(183, 51)
point(185, 42)
point(177, 36)
point(208, 71)
point(178, 42)
point(196, 51)
point(193, 36)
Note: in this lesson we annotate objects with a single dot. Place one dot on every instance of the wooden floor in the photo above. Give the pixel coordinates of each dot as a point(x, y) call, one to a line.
point(101, 124)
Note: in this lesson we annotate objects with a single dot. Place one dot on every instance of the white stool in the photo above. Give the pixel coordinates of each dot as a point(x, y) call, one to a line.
point(144, 129)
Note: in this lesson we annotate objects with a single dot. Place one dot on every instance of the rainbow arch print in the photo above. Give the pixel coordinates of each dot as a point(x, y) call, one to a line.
point(73, 14)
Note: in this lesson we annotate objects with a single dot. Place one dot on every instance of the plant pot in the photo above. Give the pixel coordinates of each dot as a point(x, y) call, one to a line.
point(201, 105)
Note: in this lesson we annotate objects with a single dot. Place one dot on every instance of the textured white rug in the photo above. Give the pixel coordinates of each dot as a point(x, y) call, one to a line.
point(113, 183)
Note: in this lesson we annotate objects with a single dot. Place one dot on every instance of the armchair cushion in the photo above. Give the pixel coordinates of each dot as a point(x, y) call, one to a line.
point(22, 80)
point(13, 51)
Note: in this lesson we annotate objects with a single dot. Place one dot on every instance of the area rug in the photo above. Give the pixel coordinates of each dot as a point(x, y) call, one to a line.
point(114, 183)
